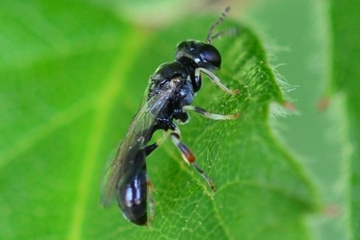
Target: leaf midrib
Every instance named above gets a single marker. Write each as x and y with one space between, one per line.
106 98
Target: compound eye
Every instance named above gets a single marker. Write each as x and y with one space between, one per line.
211 55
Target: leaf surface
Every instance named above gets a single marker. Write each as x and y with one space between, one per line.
71 90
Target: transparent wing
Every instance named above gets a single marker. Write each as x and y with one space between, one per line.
138 135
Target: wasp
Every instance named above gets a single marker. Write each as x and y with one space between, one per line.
168 97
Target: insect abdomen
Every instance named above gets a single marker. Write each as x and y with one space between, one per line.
132 197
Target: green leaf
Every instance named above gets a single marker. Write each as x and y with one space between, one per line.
345 79
322 39
73 76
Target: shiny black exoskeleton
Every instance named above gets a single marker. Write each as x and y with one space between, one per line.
180 77
171 91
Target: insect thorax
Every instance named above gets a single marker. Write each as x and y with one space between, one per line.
174 79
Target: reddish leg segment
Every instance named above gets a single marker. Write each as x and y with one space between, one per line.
189 157
150 188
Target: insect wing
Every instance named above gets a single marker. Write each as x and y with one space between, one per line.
139 133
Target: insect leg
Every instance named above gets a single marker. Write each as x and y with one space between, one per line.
189 157
149 149
213 116
214 79
150 188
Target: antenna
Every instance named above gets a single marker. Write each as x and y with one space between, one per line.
211 37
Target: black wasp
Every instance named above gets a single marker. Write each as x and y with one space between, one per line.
171 91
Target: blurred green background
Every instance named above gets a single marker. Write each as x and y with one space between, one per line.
62 67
